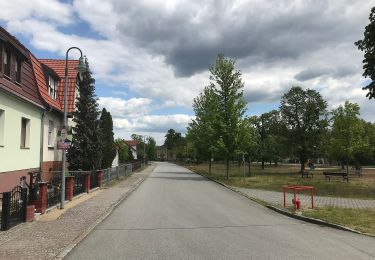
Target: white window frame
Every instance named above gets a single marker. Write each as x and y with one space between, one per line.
52 87
51 127
25 137
2 127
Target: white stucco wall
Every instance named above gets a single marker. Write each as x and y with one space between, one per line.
12 156
50 152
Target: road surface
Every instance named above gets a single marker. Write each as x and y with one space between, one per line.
176 214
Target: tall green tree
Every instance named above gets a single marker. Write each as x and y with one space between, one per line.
348 137
151 148
85 152
270 138
141 146
107 139
227 85
201 131
367 44
304 113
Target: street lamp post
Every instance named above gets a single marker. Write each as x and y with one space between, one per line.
144 150
81 68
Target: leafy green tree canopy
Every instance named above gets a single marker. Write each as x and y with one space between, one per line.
367 44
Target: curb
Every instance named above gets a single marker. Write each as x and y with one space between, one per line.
65 251
287 213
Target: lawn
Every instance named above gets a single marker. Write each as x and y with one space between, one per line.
274 177
358 219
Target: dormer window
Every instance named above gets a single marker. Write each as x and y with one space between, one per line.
6 63
18 70
52 87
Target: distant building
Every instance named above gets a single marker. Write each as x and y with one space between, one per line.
132 144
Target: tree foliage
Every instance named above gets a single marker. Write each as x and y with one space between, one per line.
123 150
107 139
85 152
348 138
305 116
367 44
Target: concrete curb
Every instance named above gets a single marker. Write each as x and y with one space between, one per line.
287 213
65 251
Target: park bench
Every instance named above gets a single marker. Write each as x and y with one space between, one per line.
307 174
329 175
355 172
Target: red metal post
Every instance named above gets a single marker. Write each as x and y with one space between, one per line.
87 182
295 204
69 180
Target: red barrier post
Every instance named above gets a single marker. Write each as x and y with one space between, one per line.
69 186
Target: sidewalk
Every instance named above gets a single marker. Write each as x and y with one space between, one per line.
277 198
45 239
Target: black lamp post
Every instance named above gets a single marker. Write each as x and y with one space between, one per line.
81 68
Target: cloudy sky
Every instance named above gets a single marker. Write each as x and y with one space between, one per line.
150 58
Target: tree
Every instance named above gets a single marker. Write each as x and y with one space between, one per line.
107 140
368 46
305 116
227 87
172 139
348 138
151 148
201 131
123 150
247 145
85 152
269 128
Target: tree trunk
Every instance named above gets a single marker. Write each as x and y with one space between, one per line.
249 168
209 167
227 168
262 164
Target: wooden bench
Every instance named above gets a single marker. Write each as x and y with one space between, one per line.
307 174
329 175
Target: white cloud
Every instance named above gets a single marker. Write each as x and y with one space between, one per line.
51 10
126 108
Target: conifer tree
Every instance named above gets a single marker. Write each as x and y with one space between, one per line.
85 152
108 145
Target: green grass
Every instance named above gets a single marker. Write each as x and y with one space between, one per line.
274 177
357 219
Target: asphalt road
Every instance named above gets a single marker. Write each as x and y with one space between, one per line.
176 214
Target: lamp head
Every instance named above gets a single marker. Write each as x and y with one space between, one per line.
82 67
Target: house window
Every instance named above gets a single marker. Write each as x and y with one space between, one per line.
6 62
2 126
18 70
50 133
52 87
25 132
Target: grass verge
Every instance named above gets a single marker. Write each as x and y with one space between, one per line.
358 219
274 177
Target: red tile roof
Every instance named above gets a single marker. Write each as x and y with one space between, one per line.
131 142
42 84
58 66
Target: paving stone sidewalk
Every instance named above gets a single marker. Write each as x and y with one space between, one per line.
277 198
45 240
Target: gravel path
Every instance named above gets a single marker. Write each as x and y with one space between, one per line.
276 198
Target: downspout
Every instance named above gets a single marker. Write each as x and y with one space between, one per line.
41 141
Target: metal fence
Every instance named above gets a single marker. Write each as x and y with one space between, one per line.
93 179
54 189
13 207
78 181
118 171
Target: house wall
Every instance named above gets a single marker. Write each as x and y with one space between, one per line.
13 158
51 155
115 161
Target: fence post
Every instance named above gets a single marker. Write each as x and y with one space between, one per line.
5 211
100 178
41 201
24 204
87 182
69 187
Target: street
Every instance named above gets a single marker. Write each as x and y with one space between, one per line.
176 214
